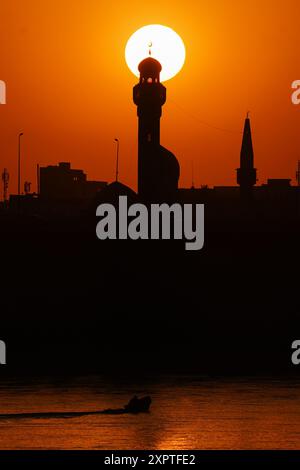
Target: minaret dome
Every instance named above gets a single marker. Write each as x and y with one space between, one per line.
149 70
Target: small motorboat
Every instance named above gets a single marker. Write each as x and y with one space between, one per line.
135 405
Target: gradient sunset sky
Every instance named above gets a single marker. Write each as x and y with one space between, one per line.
70 91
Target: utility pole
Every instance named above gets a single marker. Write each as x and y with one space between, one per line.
19 164
117 161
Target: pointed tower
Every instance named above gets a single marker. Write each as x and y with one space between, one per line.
246 174
158 168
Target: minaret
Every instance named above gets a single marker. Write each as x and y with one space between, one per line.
246 174
158 169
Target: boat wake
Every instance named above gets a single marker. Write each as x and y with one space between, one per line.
134 406
57 415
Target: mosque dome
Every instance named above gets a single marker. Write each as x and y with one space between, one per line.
171 162
110 194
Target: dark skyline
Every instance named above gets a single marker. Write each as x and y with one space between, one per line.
69 88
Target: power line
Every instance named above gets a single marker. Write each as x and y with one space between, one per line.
205 123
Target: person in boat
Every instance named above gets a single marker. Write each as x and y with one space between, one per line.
136 404
133 404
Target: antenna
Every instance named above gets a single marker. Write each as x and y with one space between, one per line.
150 45
117 162
38 178
298 173
27 186
5 179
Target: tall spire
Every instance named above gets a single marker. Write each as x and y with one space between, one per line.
246 174
247 157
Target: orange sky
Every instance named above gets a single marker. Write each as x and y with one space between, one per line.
70 91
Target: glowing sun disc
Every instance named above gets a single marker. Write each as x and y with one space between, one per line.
165 45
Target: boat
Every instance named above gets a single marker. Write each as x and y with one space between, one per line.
135 405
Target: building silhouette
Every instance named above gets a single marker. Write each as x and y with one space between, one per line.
67 191
62 182
62 190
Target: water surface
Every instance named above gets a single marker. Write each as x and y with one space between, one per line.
187 413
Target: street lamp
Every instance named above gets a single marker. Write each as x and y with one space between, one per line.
117 162
19 164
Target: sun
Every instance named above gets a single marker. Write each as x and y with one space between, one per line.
162 43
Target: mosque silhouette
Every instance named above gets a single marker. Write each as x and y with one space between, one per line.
64 190
85 305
